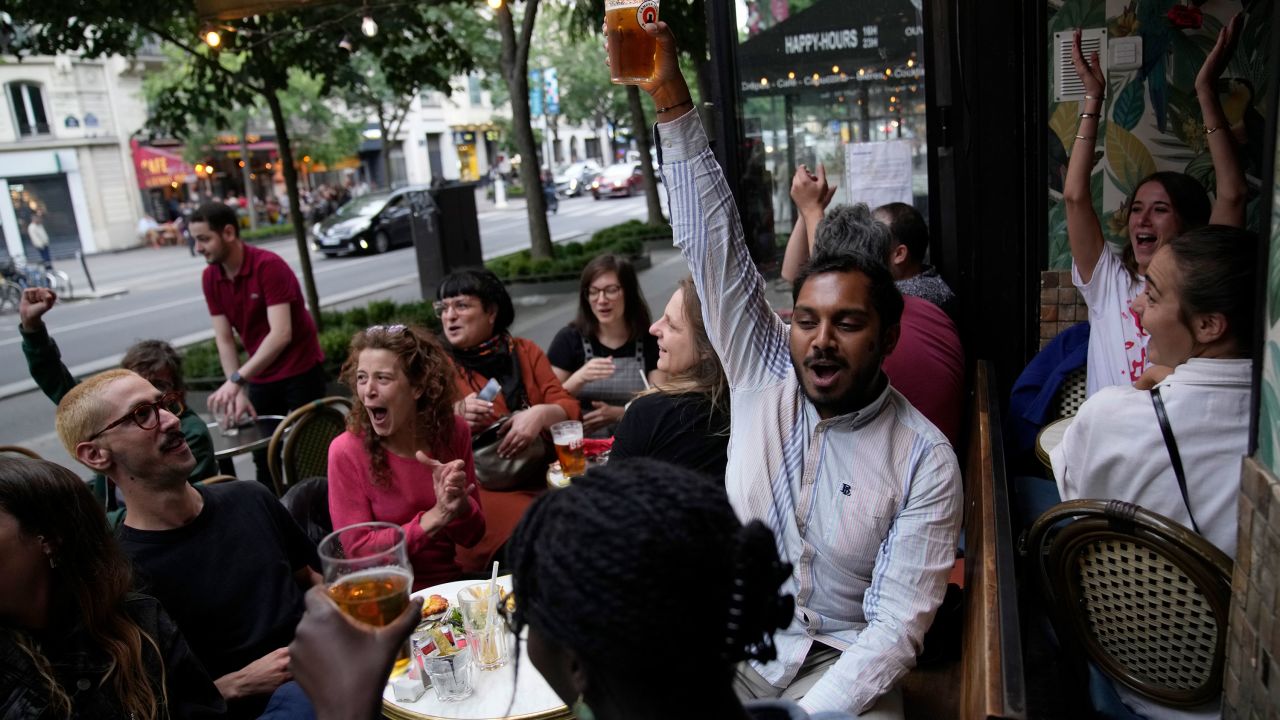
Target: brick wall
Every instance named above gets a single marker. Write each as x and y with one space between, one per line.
1060 304
1252 682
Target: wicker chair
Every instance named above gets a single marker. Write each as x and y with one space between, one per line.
1071 394
19 450
1138 594
218 479
299 448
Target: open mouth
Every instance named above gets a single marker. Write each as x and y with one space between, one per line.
173 442
1144 241
377 414
825 373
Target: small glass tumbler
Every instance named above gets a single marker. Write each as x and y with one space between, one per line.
451 675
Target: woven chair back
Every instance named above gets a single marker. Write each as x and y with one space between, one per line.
306 447
1071 394
1142 597
19 450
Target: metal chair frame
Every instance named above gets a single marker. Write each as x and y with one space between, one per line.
19 450
1058 543
280 450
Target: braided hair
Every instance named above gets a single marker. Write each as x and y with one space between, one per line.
638 550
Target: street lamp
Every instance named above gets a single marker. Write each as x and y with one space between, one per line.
495 4
368 26
212 37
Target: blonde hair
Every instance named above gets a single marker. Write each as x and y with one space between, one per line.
706 376
80 413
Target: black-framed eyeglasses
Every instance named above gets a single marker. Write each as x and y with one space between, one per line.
147 415
612 292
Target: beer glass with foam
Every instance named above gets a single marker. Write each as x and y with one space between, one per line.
632 52
567 437
367 571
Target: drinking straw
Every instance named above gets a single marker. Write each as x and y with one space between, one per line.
493 604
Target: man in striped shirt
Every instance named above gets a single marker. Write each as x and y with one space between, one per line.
861 490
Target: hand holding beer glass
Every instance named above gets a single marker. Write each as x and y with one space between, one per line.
367 573
653 65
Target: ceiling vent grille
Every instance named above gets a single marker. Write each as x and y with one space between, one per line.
1066 84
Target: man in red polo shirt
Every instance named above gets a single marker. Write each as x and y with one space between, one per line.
254 292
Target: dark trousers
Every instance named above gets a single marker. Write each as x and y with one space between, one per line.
282 397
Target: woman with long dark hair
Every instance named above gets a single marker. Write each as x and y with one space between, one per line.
405 457
606 355
78 643
684 419
1161 207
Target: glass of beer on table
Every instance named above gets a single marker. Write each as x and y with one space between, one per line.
368 575
567 437
632 52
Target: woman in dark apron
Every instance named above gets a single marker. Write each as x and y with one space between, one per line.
606 355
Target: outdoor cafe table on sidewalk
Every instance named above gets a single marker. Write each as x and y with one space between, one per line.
252 436
499 694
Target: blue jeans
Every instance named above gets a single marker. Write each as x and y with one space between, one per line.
289 702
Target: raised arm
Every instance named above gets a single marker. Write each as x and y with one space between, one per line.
1084 232
1230 195
750 339
812 195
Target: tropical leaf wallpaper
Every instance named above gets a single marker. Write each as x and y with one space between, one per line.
1269 411
1151 120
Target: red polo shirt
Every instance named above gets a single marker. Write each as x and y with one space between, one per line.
264 280
927 366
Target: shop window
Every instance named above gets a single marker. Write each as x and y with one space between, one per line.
27 101
831 82
473 89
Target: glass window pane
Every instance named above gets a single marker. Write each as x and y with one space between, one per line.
818 81
16 97
36 104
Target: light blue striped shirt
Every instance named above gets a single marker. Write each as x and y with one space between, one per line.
866 506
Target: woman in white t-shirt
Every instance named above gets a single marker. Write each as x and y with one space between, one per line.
1162 206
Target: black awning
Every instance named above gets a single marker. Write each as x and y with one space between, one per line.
834 40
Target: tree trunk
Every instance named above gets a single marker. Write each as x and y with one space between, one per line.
295 202
515 71
246 169
640 127
384 154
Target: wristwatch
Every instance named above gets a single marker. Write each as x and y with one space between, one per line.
235 378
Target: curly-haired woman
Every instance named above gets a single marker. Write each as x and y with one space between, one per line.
405 457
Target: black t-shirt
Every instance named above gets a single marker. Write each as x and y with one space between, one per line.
682 429
566 350
227 578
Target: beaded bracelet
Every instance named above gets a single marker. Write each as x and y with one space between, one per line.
669 108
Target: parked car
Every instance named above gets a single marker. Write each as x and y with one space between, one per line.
577 178
620 180
373 223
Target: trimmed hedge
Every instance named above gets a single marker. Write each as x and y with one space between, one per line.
202 367
267 231
626 239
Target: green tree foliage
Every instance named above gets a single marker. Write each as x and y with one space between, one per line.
257 59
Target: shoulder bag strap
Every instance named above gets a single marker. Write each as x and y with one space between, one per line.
1172 446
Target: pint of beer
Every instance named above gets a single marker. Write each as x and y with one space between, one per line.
632 53
375 596
567 437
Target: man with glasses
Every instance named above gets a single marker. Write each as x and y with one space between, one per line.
227 561
154 360
254 293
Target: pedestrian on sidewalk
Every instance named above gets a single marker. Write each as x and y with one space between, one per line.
549 192
40 239
254 292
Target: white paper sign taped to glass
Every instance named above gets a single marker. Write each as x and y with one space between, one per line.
877 173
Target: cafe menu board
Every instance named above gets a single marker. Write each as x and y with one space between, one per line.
877 173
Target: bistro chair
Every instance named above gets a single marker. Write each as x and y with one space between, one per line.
1142 597
299 447
217 479
19 450
1071 394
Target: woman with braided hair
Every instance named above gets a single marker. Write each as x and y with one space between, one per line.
405 457
74 641
642 591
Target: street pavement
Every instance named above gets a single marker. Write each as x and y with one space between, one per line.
163 299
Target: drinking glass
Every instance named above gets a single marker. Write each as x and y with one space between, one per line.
368 575
451 675
487 634
567 437
632 52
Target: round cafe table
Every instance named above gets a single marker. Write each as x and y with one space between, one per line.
499 694
1050 437
254 435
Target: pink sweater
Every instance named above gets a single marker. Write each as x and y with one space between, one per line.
353 498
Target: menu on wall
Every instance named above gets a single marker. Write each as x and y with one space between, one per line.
877 173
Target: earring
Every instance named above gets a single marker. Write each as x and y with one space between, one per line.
52 562
581 710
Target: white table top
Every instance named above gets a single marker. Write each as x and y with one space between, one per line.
493 697
1050 437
